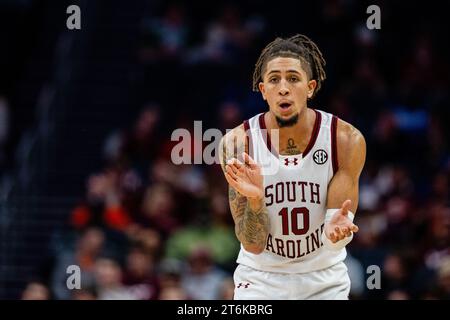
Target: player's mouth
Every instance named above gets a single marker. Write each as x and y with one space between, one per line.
285 106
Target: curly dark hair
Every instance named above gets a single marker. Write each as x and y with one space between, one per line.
300 47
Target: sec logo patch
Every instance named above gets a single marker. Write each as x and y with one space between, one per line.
320 156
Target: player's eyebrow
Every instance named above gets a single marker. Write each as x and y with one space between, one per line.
288 71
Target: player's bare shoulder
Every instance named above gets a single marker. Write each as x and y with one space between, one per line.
351 146
233 144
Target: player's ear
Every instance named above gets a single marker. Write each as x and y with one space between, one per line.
312 84
262 90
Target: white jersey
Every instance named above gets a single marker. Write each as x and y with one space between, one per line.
295 196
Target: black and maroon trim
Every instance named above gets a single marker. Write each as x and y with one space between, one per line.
266 137
314 134
334 155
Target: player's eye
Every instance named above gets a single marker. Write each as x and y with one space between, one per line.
293 79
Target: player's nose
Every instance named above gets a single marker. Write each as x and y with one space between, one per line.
284 89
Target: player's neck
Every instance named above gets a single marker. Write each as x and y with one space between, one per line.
293 139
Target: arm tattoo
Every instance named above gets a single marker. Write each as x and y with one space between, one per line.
238 203
251 227
231 194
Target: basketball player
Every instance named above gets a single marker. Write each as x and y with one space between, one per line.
294 216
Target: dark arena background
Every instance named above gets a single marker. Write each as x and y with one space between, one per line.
86 118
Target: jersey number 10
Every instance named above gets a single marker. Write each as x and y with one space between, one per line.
303 212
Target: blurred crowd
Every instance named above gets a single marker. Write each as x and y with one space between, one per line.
146 228
149 229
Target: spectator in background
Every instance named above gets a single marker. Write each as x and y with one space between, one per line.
357 275
141 145
165 37
202 280
87 249
158 210
440 188
444 279
108 278
227 289
227 38
147 238
395 277
438 228
103 204
173 293
170 271
36 290
398 295
89 293
213 230
139 274
186 180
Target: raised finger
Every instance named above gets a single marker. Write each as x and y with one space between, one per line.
355 228
231 172
231 181
235 162
238 166
338 232
249 160
234 168
341 234
348 232
332 237
345 231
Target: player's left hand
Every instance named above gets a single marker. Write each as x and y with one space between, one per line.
340 226
245 177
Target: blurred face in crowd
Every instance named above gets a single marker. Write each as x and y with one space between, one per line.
35 291
146 122
219 205
139 263
200 260
286 88
91 242
82 294
172 293
108 273
227 289
158 200
230 115
398 295
394 267
95 188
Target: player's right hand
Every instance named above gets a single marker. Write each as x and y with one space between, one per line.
246 178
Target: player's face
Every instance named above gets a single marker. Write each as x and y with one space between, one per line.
286 87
